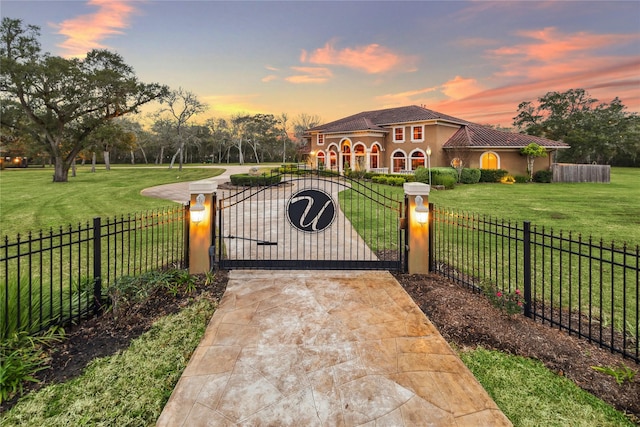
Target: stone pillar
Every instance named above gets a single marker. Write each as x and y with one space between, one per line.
201 235
418 234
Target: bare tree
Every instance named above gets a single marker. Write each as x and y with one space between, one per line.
182 105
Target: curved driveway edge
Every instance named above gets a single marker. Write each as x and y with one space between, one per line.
324 348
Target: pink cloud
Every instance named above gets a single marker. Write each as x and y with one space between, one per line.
87 32
372 58
499 105
310 75
547 61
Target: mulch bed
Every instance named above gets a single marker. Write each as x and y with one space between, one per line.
467 319
463 317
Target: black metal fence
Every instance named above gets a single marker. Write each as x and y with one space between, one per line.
59 277
585 287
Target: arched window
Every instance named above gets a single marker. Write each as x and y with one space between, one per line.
375 155
399 160
361 157
346 155
333 160
320 160
489 160
417 160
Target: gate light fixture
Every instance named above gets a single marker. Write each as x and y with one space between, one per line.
422 212
197 211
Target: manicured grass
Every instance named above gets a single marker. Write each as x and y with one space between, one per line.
29 200
129 388
531 395
608 211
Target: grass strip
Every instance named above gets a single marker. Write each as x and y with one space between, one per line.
531 395
129 388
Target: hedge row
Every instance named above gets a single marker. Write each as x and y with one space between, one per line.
244 179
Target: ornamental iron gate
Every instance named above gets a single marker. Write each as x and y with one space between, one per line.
311 220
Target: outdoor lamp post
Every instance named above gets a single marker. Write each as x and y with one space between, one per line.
429 163
202 201
197 211
421 211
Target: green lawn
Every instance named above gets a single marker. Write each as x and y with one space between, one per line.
608 211
29 200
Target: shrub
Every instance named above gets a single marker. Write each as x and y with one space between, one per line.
22 357
470 176
521 179
396 181
244 179
422 174
543 176
447 181
492 175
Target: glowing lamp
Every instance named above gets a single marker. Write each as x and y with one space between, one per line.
421 211
197 211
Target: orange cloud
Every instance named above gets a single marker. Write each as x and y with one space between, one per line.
372 58
460 87
402 98
87 32
310 75
499 105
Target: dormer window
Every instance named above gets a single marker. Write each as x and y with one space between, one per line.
320 139
398 134
417 134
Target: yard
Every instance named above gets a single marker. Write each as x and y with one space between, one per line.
604 210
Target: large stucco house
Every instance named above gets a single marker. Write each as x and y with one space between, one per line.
399 140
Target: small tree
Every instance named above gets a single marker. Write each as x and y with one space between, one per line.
532 151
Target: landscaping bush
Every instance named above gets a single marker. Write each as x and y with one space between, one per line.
545 176
244 179
389 180
470 176
422 174
492 175
521 179
447 181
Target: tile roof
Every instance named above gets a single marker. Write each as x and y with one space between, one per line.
474 135
469 134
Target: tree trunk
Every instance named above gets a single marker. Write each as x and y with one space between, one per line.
181 156
144 155
133 157
107 161
61 170
93 162
73 167
161 154
173 159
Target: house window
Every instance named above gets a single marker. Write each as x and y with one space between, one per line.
489 160
320 160
320 139
373 160
398 134
416 134
361 158
399 161
333 160
417 160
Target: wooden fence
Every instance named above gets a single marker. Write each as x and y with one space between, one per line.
569 172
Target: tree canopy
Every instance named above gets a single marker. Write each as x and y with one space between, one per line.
63 100
597 132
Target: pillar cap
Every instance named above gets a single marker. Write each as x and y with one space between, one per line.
204 186
416 189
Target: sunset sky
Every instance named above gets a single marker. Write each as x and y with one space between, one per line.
474 60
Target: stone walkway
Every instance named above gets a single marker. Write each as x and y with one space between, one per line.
321 348
324 348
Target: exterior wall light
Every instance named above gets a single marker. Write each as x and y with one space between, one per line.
197 211
421 211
